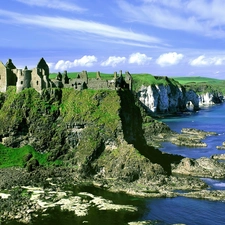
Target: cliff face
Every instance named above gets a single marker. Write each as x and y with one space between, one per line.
166 98
96 133
210 98
172 98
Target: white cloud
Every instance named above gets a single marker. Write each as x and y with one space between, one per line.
85 61
139 59
168 59
113 61
206 17
81 26
204 61
51 65
54 4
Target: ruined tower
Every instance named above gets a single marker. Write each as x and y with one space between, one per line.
23 79
40 76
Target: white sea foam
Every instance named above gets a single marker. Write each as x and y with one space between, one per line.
219 184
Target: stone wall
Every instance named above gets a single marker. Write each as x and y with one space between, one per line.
82 81
3 80
23 79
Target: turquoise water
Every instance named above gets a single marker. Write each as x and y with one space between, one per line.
164 211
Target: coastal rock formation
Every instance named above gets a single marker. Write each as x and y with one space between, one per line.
167 98
86 129
160 98
218 156
157 132
173 97
190 137
202 167
212 195
210 98
222 147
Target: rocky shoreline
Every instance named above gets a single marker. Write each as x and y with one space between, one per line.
188 137
27 194
48 189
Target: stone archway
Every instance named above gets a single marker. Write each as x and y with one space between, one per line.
189 105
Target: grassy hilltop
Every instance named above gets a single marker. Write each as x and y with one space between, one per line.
202 84
42 121
84 130
198 84
46 117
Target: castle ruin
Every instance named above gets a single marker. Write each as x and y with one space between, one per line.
38 78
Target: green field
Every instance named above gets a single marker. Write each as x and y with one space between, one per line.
148 79
196 80
202 84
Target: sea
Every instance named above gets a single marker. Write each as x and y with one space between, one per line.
162 211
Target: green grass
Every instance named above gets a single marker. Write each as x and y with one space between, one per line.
99 106
14 157
191 80
202 84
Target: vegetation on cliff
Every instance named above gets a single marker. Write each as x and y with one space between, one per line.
202 84
139 79
148 80
83 130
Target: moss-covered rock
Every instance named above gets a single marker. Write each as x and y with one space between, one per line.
89 131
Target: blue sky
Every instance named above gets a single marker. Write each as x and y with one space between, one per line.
161 37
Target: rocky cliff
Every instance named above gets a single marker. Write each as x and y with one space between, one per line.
97 133
167 98
99 136
173 97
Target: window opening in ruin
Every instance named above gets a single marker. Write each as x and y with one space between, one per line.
37 82
21 82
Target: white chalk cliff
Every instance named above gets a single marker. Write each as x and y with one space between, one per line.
210 98
171 98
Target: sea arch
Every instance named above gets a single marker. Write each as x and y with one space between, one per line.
191 100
